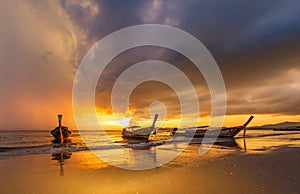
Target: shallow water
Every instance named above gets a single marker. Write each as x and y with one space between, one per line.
30 142
137 155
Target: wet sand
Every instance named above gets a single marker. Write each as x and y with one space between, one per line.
219 171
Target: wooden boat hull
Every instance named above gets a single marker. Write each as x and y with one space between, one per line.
136 132
224 133
57 142
65 132
132 135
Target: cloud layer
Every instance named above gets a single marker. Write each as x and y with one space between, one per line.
256 45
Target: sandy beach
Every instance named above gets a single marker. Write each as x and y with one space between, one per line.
275 169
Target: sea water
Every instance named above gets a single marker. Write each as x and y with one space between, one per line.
28 142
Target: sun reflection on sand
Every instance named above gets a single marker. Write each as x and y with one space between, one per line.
87 159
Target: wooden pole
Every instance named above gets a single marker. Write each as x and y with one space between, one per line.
60 128
245 148
61 159
245 125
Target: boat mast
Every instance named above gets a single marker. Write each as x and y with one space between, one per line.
154 121
245 125
60 128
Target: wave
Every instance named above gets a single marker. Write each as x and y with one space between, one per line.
5 149
6 152
268 135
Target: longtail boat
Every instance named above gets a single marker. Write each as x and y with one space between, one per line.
61 133
226 132
136 132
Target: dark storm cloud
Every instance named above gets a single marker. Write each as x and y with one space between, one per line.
111 16
234 26
280 99
226 27
255 44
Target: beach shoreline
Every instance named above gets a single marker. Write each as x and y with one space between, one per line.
267 171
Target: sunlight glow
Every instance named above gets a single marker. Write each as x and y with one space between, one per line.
108 121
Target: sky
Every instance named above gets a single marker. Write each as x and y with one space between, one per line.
256 45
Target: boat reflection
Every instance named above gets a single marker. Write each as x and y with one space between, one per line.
147 155
141 157
225 142
134 140
245 147
61 153
137 154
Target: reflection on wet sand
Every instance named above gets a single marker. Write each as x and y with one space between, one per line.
141 154
245 146
225 142
61 153
142 158
135 140
137 153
